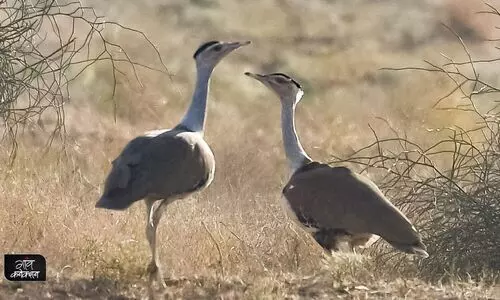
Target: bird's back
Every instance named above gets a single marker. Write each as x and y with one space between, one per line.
336 198
171 164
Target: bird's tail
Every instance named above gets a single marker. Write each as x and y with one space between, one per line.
420 252
417 248
112 204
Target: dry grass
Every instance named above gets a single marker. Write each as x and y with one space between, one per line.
334 48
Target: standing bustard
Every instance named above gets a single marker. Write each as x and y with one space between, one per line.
165 165
334 203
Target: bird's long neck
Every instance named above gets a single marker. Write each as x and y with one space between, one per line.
295 154
194 119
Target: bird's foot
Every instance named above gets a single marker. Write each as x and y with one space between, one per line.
155 272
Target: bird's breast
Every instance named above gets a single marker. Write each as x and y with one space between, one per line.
206 156
209 164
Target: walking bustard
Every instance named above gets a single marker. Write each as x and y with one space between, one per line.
334 203
165 165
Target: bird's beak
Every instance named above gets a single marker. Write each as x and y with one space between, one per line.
255 76
235 45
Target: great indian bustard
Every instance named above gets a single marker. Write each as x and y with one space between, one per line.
165 165
334 203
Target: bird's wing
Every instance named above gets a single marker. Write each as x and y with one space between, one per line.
337 198
120 178
121 173
160 166
175 163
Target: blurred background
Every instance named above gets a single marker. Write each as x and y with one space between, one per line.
337 50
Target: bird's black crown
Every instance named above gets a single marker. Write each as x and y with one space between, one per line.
203 47
293 80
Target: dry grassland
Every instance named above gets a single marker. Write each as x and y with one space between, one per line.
232 240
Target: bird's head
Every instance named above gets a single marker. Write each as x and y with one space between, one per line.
288 89
209 54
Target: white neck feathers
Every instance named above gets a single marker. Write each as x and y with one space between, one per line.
194 119
295 154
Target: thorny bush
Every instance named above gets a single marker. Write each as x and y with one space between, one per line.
44 46
451 189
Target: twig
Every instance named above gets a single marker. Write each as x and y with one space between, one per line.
221 266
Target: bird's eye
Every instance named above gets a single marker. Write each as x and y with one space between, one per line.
218 48
280 80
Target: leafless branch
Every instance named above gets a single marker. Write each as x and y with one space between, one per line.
44 46
450 189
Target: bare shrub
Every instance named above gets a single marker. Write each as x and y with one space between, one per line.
451 188
44 46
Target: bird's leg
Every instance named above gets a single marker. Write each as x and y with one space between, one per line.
334 244
327 239
353 247
332 239
362 241
154 212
